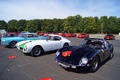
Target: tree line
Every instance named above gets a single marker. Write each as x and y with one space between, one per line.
71 24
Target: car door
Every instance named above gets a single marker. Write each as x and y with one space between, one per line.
106 49
55 42
51 44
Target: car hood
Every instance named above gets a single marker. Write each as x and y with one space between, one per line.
22 44
77 53
30 43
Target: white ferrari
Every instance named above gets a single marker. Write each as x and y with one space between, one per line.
49 42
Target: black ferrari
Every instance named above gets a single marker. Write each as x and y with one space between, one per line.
89 54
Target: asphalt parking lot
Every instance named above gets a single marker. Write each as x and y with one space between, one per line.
14 65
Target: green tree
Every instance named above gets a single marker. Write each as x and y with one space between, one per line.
118 26
112 25
104 24
84 24
40 28
12 26
79 24
97 25
91 25
55 25
69 24
58 25
21 25
3 25
33 25
48 25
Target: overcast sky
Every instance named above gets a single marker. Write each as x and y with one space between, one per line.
49 9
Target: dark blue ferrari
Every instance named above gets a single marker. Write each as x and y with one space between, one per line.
89 54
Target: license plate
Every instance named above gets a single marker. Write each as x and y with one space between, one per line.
64 65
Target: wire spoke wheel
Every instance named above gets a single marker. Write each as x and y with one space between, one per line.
12 44
36 51
111 55
94 64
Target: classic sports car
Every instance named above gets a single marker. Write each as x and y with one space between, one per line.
37 47
89 54
83 35
109 37
61 34
11 41
68 35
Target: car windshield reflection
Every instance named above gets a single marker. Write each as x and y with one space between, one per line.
22 35
44 38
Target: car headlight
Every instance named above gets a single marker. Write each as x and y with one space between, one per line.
3 41
57 53
83 61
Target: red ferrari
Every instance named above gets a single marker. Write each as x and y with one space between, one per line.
40 34
83 35
61 34
109 37
68 35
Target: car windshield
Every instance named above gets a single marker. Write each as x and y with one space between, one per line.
47 37
83 42
90 42
109 35
28 35
22 35
43 38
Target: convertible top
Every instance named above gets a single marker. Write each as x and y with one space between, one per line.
93 39
97 42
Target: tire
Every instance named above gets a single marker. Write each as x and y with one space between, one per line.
66 45
12 44
111 55
94 64
36 51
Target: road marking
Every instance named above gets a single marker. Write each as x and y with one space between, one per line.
12 57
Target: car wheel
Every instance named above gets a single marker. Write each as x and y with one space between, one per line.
66 45
12 44
94 64
36 51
